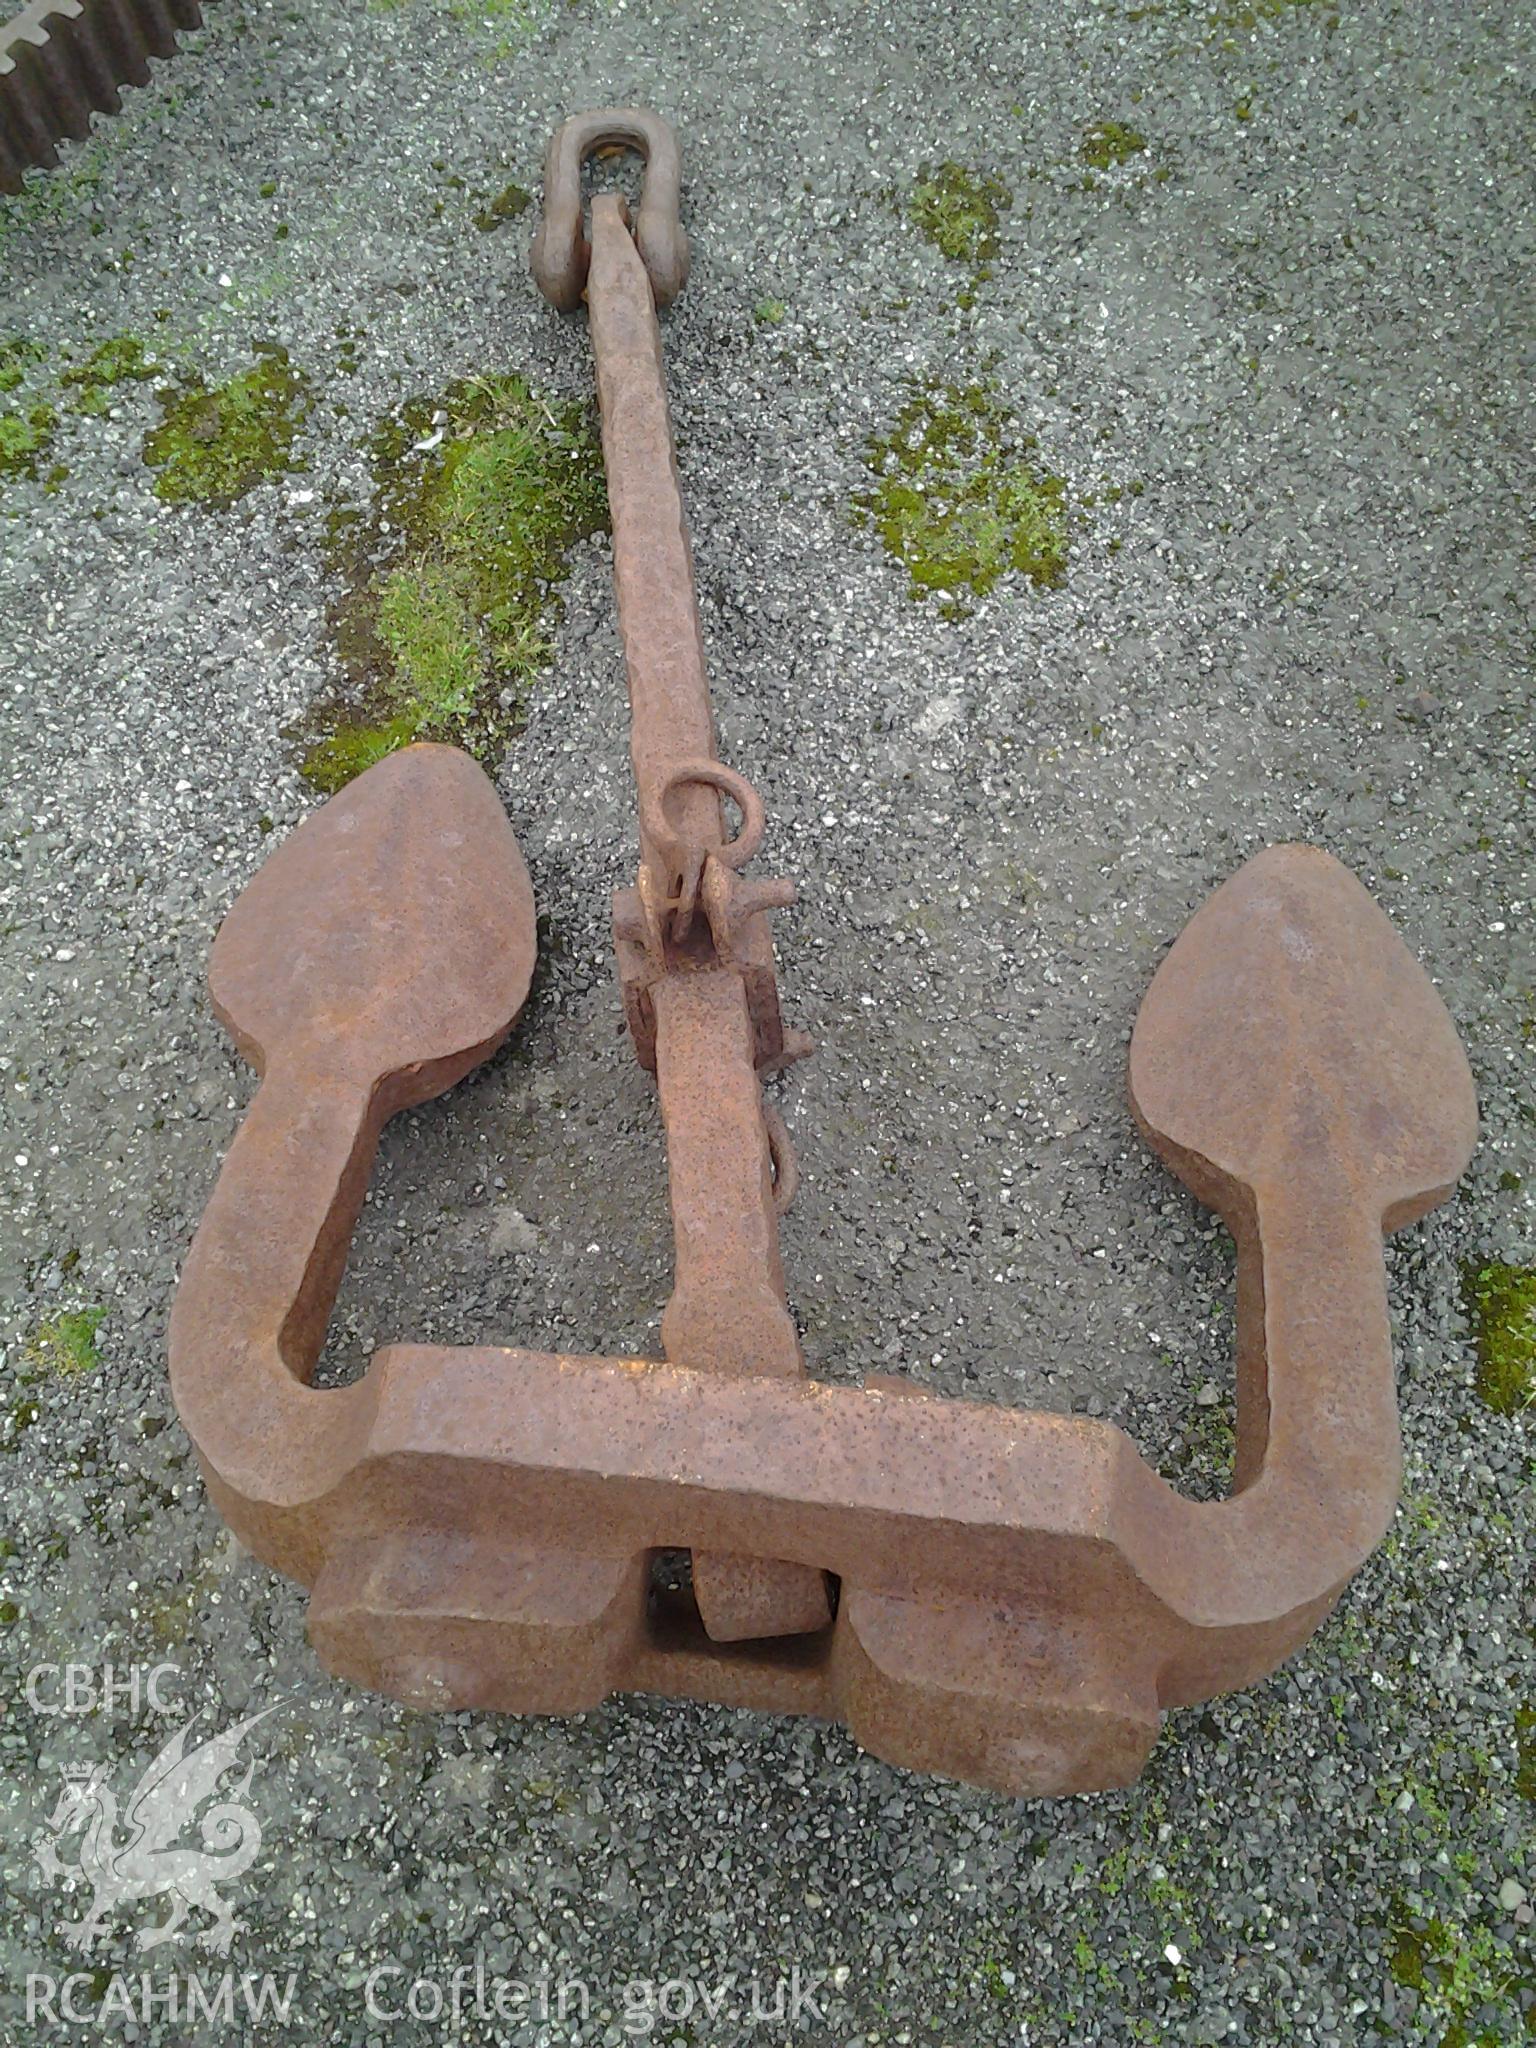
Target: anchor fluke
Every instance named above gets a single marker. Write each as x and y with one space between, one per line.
391 938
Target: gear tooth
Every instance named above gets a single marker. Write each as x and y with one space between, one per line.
156 27
115 27
53 76
62 60
94 76
11 164
26 126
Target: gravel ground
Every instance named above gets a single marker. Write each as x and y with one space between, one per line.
1277 357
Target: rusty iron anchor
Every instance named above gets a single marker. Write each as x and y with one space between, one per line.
1008 1597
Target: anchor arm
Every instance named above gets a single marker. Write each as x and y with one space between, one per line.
254 1299
1293 1065
383 952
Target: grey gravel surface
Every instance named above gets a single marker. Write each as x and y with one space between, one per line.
1307 345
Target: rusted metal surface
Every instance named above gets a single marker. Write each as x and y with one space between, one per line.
560 250
1004 1596
727 1310
63 60
680 931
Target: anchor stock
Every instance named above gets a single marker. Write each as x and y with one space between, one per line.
1004 1596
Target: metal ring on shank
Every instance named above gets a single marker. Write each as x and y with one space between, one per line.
731 853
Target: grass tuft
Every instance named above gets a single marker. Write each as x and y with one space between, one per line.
451 580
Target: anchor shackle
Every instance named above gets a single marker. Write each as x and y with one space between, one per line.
561 252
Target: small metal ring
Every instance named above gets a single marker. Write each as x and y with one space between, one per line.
732 853
786 1167
561 251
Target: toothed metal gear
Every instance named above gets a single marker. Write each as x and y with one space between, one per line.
63 60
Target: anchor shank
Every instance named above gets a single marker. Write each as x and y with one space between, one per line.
671 720
727 1313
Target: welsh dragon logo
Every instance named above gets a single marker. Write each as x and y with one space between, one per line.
138 1855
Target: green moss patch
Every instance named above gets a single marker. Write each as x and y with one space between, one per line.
1525 1752
1463 1976
214 445
1234 16
515 14
1253 14
451 579
959 211
957 502
509 22
25 434
16 357
1109 143
66 1343
27 425
122 360
1501 1303
511 201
